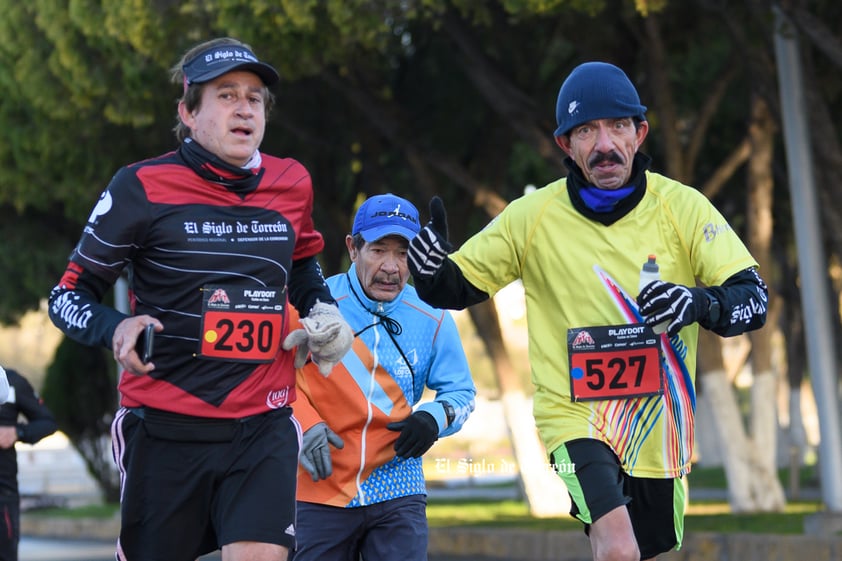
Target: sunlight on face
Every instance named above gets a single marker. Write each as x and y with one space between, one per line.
381 266
231 119
604 150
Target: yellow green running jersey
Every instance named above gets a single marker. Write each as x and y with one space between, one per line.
577 274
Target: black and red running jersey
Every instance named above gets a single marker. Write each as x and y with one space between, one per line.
214 264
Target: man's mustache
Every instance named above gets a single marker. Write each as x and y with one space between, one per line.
610 157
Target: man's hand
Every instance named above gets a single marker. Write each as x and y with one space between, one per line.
419 431
326 337
315 452
124 343
428 250
8 436
679 305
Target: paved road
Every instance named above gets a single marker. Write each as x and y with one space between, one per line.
44 549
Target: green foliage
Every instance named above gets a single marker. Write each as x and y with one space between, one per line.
443 513
96 511
701 517
435 96
515 514
715 517
80 387
32 259
715 478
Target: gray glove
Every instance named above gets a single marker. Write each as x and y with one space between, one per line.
315 452
326 337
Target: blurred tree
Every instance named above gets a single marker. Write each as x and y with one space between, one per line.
81 389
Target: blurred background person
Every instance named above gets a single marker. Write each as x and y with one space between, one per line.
24 418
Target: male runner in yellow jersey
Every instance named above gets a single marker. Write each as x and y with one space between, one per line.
613 398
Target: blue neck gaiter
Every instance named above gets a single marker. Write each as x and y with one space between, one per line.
604 200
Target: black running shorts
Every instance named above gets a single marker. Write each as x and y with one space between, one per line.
597 485
190 485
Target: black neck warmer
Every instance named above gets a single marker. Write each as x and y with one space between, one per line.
576 181
236 179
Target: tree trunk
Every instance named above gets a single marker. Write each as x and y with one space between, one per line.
751 463
764 421
792 323
727 422
95 450
545 493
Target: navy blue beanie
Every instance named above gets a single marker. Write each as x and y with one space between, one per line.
596 90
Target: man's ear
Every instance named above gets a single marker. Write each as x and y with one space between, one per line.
563 142
352 250
186 116
642 131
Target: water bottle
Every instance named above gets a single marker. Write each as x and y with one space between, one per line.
648 273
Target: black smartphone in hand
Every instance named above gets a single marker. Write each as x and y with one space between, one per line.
146 343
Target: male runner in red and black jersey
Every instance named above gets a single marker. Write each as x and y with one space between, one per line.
217 238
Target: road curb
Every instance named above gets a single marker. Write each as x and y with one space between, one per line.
524 545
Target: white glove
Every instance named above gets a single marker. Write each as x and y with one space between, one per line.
326 337
315 452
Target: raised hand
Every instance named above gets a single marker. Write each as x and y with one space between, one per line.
428 250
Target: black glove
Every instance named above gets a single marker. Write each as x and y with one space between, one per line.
679 305
315 452
428 250
419 431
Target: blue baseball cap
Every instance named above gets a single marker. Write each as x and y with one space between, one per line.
216 61
596 90
386 215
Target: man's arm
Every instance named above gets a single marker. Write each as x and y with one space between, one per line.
40 421
307 284
736 306
76 308
450 377
447 288
325 336
742 300
438 280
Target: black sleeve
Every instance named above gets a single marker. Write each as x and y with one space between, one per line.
76 308
39 419
307 284
743 299
448 288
